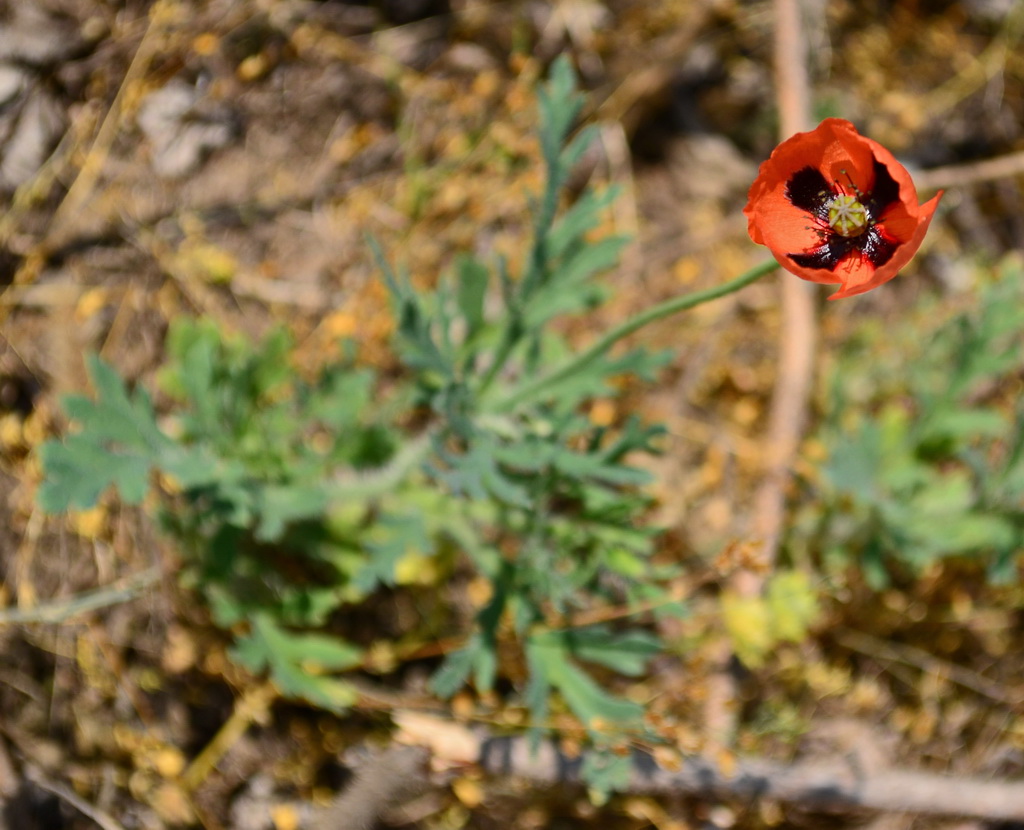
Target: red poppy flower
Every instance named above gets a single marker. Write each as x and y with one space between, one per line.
833 206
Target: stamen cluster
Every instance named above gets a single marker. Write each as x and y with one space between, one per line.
847 216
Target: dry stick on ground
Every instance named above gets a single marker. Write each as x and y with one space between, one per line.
9 780
65 793
59 611
961 175
827 784
793 382
799 325
387 779
252 706
927 662
835 783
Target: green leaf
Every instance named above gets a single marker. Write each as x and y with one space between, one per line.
280 505
626 563
456 668
323 653
569 291
873 563
574 150
627 653
595 708
414 338
476 473
343 397
538 686
944 496
472 289
583 216
390 539
296 660
793 605
79 471
958 425
606 772
118 445
594 467
559 106
962 533
853 464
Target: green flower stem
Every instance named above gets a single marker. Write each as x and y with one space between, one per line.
658 312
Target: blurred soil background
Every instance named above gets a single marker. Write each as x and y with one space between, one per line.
229 158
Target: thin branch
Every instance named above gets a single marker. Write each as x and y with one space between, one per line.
925 661
9 780
63 610
826 784
61 224
786 422
250 708
788 414
77 196
962 175
799 332
65 793
792 87
384 781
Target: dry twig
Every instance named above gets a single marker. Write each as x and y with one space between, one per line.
827 784
799 333
65 793
252 706
962 175
60 611
799 330
386 779
929 663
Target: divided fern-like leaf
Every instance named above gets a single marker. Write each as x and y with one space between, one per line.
298 662
118 444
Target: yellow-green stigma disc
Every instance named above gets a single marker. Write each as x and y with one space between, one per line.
847 216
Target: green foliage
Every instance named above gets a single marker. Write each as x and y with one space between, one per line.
758 624
258 468
296 500
567 508
296 662
552 656
927 435
119 444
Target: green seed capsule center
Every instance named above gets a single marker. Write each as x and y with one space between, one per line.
847 216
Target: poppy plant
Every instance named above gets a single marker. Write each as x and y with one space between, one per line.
835 207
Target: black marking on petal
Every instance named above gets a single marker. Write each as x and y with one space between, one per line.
885 192
828 255
809 190
823 258
877 247
873 245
